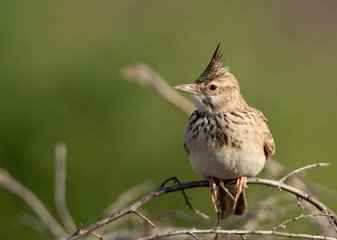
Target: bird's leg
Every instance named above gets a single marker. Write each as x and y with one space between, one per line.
212 187
241 184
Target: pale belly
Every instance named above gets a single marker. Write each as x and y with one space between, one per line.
227 163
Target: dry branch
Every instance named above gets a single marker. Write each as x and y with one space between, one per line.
236 232
187 201
302 169
146 76
282 225
60 187
128 196
179 187
12 185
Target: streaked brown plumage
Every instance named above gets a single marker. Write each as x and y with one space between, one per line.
225 137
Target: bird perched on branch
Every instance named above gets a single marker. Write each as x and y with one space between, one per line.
225 137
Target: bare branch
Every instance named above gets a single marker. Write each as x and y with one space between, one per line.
226 190
193 235
145 218
12 185
146 76
96 235
180 187
128 196
320 206
237 232
282 225
302 169
278 171
187 201
60 187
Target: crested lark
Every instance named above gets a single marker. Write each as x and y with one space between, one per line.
225 137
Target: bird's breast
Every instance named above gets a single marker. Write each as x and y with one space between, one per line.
225 146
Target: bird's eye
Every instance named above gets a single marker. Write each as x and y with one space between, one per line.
212 87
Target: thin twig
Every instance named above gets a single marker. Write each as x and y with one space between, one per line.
129 195
302 169
174 179
96 235
242 236
133 207
145 218
278 171
237 232
193 235
282 225
146 76
299 203
187 201
60 187
12 185
320 206
179 187
79 229
226 190
332 222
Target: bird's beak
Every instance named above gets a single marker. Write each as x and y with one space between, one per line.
189 88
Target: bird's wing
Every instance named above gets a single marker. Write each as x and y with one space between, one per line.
269 144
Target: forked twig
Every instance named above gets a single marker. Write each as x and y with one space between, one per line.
187 201
12 185
193 235
278 171
310 199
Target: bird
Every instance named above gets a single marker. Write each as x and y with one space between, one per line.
226 139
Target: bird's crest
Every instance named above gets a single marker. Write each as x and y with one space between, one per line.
214 67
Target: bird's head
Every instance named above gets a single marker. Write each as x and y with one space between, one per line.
216 90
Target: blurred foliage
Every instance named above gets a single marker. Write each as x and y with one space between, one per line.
59 81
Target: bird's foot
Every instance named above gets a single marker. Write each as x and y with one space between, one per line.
212 187
241 184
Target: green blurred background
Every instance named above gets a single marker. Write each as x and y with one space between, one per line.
60 65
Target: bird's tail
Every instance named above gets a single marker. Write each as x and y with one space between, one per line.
227 203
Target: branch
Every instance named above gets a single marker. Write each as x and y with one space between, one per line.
128 196
187 201
146 76
179 187
276 170
320 206
133 207
302 169
145 218
282 225
60 187
237 232
12 185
